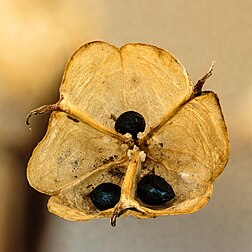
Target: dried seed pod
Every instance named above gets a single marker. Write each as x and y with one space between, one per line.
178 132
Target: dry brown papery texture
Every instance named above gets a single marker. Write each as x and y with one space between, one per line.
185 140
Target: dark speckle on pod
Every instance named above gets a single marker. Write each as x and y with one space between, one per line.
154 190
105 195
130 122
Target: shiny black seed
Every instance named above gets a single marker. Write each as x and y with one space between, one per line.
154 190
105 195
130 122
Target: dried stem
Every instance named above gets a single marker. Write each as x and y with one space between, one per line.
41 110
198 86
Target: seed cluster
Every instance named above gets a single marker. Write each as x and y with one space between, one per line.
152 190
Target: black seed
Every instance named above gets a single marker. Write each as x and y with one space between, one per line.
154 190
105 195
130 122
